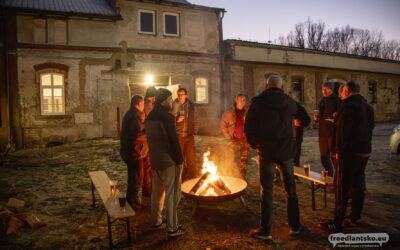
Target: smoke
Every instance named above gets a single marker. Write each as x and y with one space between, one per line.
226 159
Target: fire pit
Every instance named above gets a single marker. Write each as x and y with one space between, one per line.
210 187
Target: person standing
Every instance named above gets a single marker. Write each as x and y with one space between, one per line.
269 130
134 149
301 120
329 105
232 126
352 148
166 164
186 127
149 100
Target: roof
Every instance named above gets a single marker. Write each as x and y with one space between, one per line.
283 47
186 3
71 7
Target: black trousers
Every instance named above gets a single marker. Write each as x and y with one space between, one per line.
297 153
325 149
267 171
135 180
350 183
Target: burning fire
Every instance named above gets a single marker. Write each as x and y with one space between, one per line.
210 183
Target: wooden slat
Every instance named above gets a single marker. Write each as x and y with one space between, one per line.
102 184
314 176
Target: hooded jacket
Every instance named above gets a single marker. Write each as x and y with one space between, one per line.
354 125
228 122
327 107
190 122
269 124
162 139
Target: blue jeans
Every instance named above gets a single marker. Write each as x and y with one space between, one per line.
267 172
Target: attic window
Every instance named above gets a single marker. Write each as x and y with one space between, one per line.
147 22
171 24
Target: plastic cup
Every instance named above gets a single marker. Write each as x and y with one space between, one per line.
307 169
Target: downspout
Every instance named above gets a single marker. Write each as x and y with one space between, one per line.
221 64
6 78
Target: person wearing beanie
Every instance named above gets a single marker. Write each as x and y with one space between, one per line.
328 106
166 164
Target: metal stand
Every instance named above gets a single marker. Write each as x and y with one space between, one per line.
93 197
315 187
128 229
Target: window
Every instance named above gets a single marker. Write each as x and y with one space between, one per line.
52 95
147 22
297 90
201 85
171 24
372 93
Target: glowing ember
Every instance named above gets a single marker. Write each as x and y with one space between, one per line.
210 183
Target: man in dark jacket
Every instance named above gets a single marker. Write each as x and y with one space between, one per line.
352 148
134 149
269 130
328 106
301 120
166 164
186 127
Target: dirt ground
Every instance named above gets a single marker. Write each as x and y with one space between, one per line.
55 185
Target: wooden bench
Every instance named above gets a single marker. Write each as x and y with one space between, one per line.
315 179
101 182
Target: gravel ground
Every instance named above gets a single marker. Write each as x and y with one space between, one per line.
55 185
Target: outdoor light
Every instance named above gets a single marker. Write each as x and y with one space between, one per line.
149 79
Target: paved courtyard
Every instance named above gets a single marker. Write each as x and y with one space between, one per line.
55 185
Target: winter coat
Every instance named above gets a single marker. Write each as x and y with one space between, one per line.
133 141
269 124
354 125
228 122
327 107
305 120
162 139
190 123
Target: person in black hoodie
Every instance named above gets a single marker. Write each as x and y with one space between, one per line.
352 148
269 130
301 120
134 149
166 164
328 106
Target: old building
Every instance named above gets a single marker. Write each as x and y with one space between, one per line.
73 65
69 68
304 71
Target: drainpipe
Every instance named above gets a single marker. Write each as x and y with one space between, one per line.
6 78
221 64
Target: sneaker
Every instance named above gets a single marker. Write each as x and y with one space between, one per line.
351 221
331 226
162 225
179 231
295 232
260 234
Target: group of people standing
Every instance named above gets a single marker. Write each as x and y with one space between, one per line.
157 143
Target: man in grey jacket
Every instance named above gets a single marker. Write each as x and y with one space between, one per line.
166 164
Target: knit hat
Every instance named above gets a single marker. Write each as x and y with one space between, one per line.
150 92
162 95
330 85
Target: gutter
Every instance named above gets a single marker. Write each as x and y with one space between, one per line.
221 64
6 78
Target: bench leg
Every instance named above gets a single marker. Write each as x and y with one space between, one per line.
109 231
325 195
128 230
313 195
93 198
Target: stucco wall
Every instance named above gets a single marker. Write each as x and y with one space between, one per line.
94 92
199 30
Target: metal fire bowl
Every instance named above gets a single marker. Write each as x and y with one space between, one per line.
236 185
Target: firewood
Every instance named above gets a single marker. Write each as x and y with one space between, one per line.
221 185
200 183
216 188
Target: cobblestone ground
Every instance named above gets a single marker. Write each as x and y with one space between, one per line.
55 185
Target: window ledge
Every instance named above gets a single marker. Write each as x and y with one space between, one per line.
49 117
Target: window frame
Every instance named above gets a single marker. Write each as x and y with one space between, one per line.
140 22
207 89
178 24
298 80
52 87
374 85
